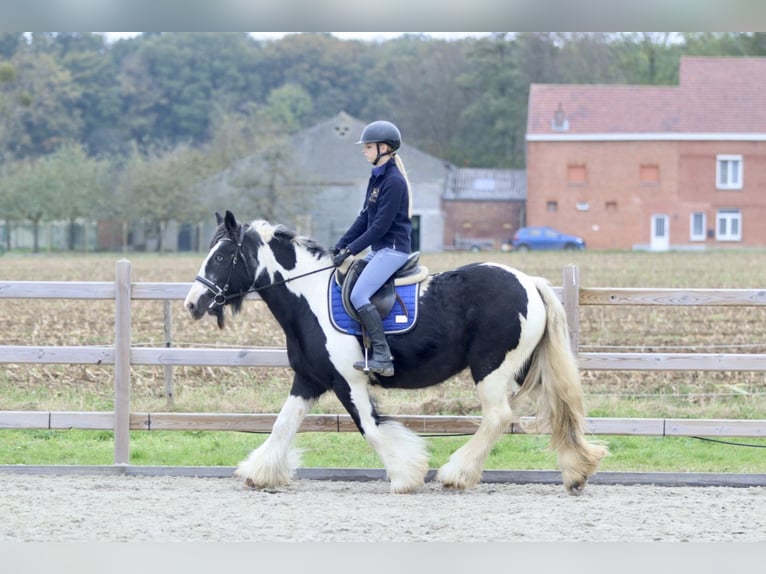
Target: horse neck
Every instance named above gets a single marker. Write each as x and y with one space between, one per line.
308 283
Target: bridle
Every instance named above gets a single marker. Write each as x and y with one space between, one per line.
221 295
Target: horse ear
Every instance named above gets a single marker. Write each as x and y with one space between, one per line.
218 218
230 222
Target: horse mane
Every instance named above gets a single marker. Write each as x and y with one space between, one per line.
267 230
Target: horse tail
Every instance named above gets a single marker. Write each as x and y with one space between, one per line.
553 382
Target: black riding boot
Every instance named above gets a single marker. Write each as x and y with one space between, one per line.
381 361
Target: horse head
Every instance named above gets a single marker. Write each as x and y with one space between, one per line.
247 258
228 272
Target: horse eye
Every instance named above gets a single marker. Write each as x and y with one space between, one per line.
219 258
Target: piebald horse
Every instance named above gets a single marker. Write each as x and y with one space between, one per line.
509 329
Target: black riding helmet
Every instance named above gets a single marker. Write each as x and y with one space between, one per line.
381 132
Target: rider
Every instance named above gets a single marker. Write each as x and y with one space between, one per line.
384 224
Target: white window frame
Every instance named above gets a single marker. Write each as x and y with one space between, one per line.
729 216
703 234
723 177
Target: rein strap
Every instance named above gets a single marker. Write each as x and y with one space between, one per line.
220 297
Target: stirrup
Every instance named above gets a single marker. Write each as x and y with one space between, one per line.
385 371
382 369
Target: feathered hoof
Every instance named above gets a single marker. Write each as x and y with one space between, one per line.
576 487
405 488
578 466
263 478
250 484
407 482
459 479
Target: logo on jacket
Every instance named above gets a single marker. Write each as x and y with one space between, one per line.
374 195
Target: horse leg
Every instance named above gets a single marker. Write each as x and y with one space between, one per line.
464 468
402 452
273 463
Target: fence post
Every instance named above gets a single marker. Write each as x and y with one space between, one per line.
122 342
168 329
571 302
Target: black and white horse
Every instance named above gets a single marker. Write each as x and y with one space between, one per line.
508 328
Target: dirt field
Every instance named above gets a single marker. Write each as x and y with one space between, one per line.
164 509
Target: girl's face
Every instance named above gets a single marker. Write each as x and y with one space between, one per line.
370 151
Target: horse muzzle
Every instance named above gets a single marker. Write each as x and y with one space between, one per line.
198 301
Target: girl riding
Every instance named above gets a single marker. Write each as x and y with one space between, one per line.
384 225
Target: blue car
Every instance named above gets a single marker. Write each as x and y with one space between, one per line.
543 237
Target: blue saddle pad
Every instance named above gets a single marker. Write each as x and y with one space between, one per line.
397 321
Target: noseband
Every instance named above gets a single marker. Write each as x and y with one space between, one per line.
220 296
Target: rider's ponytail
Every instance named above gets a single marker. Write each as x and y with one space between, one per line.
400 165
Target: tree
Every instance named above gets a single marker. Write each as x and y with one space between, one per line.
587 58
236 135
330 70
63 185
29 196
158 187
40 107
287 107
79 181
647 58
421 94
10 42
94 71
171 83
266 187
493 124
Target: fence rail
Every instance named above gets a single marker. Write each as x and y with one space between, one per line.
122 356
423 424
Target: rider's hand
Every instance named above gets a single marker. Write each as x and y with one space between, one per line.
341 256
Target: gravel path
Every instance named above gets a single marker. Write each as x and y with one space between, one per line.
160 509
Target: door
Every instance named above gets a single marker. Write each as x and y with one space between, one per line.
415 235
660 233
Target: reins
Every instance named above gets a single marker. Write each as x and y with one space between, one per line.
220 297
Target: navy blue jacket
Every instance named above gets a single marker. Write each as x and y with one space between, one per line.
384 220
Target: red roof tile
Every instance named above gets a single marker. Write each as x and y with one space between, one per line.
723 95
716 95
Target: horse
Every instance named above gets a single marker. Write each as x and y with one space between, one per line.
507 328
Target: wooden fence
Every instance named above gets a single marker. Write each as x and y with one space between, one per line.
122 355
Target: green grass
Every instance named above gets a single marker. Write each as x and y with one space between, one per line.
349 450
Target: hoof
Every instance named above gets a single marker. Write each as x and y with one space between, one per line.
454 478
576 488
249 484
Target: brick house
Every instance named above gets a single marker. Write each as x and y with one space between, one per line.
483 207
648 167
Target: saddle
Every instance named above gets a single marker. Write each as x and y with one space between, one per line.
401 288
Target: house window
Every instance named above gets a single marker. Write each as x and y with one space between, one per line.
728 172
611 207
577 175
649 174
697 226
552 206
729 225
